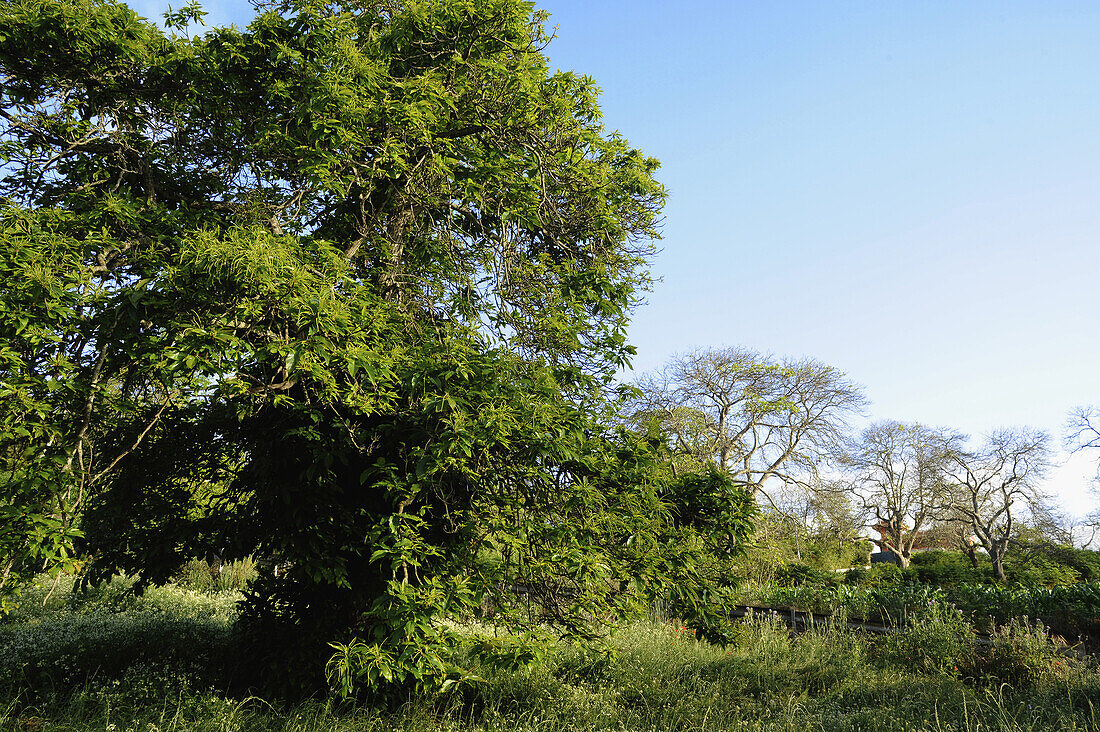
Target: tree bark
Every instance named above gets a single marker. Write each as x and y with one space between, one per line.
998 567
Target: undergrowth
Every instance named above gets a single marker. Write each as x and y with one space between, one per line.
153 666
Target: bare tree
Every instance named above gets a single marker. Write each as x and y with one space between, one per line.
898 476
747 414
1083 434
830 517
993 487
1083 430
1048 524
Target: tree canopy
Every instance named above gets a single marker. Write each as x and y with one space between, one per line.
345 288
899 478
993 486
747 414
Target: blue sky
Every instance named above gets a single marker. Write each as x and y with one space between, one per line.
906 191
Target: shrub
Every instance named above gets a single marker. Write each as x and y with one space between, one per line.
119 596
68 649
938 640
196 575
40 599
1020 653
203 576
877 575
796 574
1085 561
236 575
1036 569
857 577
940 567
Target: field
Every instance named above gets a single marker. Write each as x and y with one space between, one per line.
107 660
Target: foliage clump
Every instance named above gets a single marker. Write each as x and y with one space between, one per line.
1021 653
937 640
344 290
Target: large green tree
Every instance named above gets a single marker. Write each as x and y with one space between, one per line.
345 288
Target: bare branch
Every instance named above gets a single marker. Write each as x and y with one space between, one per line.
748 414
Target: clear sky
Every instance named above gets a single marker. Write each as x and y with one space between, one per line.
907 191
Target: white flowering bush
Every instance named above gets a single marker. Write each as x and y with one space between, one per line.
118 596
59 636
70 648
48 597
41 598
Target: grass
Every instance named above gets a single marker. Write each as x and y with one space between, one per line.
103 664
1073 611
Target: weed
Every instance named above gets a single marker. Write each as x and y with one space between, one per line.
1021 654
937 640
107 661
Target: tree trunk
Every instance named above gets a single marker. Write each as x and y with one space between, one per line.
998 566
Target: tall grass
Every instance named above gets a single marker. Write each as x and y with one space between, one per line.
652 676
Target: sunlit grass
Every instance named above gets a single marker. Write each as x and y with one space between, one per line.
657 677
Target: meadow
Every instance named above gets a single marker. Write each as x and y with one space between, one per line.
106 659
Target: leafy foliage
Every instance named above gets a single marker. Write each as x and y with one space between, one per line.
939 640
41 294
713 520
343 289
1021 654
1071 611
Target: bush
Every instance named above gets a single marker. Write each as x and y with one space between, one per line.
830 554
795 574
940 567
1021 654
119 596
938 640
47 597
879 575
1038 569
1085 562
40 599
60 635
69 649
203 576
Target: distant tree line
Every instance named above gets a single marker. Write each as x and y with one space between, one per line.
780 428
